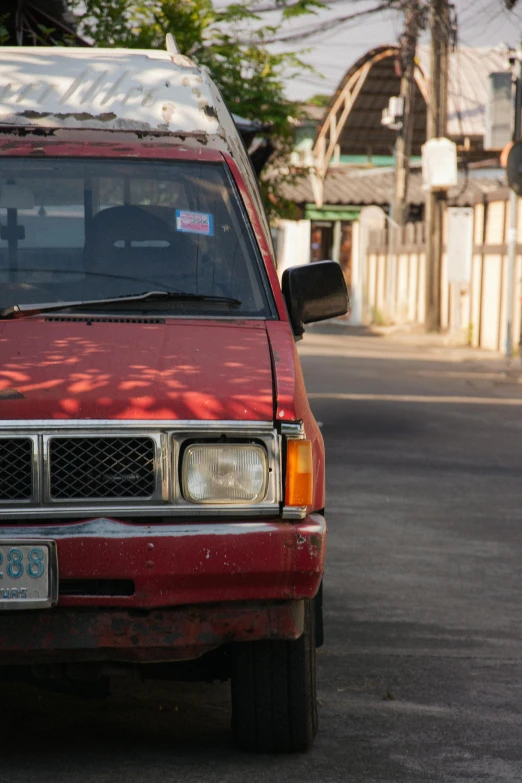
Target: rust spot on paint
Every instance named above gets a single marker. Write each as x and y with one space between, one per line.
316 541
80 116
26 131
209 111
167 110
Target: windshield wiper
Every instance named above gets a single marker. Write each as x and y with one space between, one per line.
19 310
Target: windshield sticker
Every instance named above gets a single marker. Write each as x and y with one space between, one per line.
195 222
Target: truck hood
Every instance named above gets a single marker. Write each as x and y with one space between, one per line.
63 368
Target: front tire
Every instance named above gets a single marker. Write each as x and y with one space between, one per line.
274 708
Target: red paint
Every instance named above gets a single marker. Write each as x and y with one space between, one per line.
54 148
196 588
266 251
178 370
267 561
291 400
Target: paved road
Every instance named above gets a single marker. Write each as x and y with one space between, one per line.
421 674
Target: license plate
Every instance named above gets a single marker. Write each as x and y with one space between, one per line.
28 574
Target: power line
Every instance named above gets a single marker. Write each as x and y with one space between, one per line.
310 30
264 9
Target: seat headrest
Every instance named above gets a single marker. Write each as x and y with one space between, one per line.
127 223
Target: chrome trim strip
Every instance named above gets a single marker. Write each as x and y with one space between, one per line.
294 512
164 467
167 500
294 430
115 426
108 528
172 511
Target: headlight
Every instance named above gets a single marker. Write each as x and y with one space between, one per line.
224 473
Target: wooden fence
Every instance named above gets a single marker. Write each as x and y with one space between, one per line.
475 312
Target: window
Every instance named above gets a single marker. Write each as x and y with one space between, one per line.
75 230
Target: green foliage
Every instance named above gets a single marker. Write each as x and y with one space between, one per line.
224 40
319 100
4 32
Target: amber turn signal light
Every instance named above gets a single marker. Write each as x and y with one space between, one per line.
299 473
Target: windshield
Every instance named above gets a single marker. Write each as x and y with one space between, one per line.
75 230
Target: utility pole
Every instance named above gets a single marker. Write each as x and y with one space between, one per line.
513 209
414 11
437 122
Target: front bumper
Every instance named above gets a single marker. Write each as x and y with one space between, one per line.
186 563
163 635
196 585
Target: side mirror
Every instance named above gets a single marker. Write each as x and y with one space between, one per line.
514 167
314 292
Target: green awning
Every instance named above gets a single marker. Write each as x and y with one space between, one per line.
331 212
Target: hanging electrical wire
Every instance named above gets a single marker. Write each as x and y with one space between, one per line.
274 7
312 30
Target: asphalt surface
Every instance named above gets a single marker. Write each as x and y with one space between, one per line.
420 678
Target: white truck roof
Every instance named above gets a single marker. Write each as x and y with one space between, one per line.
111 89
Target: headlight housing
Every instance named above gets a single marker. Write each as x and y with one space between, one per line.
224 473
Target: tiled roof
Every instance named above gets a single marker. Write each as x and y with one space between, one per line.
467 95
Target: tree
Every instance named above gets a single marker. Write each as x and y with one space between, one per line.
37 23
319 99
229 41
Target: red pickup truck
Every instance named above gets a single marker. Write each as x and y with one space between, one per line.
161 474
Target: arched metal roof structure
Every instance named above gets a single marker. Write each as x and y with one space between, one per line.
352 121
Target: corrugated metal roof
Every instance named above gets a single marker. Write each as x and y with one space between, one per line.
349 187
469 68
106 88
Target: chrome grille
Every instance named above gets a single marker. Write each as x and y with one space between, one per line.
16 469
110 467
105 469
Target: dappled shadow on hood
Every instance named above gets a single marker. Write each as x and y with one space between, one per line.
177 370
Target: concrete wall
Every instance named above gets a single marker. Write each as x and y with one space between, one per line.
293 244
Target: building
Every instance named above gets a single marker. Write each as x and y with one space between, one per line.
349 164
